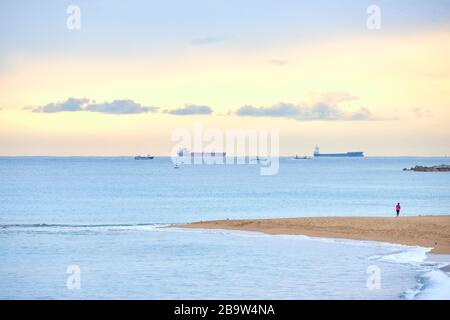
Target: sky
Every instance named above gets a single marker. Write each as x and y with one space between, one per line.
136 71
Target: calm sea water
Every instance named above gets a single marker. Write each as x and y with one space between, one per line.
107 216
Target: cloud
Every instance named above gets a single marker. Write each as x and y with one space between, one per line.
282 110
278 62
303 112
318 111
125 106
71 104
206 41
190 110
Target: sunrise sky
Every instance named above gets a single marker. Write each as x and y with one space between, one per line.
137 70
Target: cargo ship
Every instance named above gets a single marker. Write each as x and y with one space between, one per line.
346 154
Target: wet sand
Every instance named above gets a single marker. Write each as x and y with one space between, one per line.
426 231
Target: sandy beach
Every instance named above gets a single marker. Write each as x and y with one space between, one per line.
426 231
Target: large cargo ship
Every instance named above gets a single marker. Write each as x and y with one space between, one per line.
346 154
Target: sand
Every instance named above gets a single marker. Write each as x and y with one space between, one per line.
426 231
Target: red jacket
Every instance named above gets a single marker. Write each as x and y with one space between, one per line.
397 207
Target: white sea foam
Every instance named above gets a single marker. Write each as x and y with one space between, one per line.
408 254
436 286
432 284
56 228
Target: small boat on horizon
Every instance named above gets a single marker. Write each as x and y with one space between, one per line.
259 159
302 158
183 152
147 157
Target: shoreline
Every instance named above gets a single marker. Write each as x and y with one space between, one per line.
424 231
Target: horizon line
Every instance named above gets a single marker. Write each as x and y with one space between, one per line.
232 156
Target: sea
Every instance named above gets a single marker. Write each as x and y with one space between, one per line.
106 228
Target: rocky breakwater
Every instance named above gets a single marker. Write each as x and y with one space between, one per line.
438 168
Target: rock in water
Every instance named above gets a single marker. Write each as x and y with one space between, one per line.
438 168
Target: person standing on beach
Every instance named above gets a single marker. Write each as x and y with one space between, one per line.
397 208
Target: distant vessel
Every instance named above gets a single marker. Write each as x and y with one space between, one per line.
302 158
346 154
259 159
147 157
186 153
